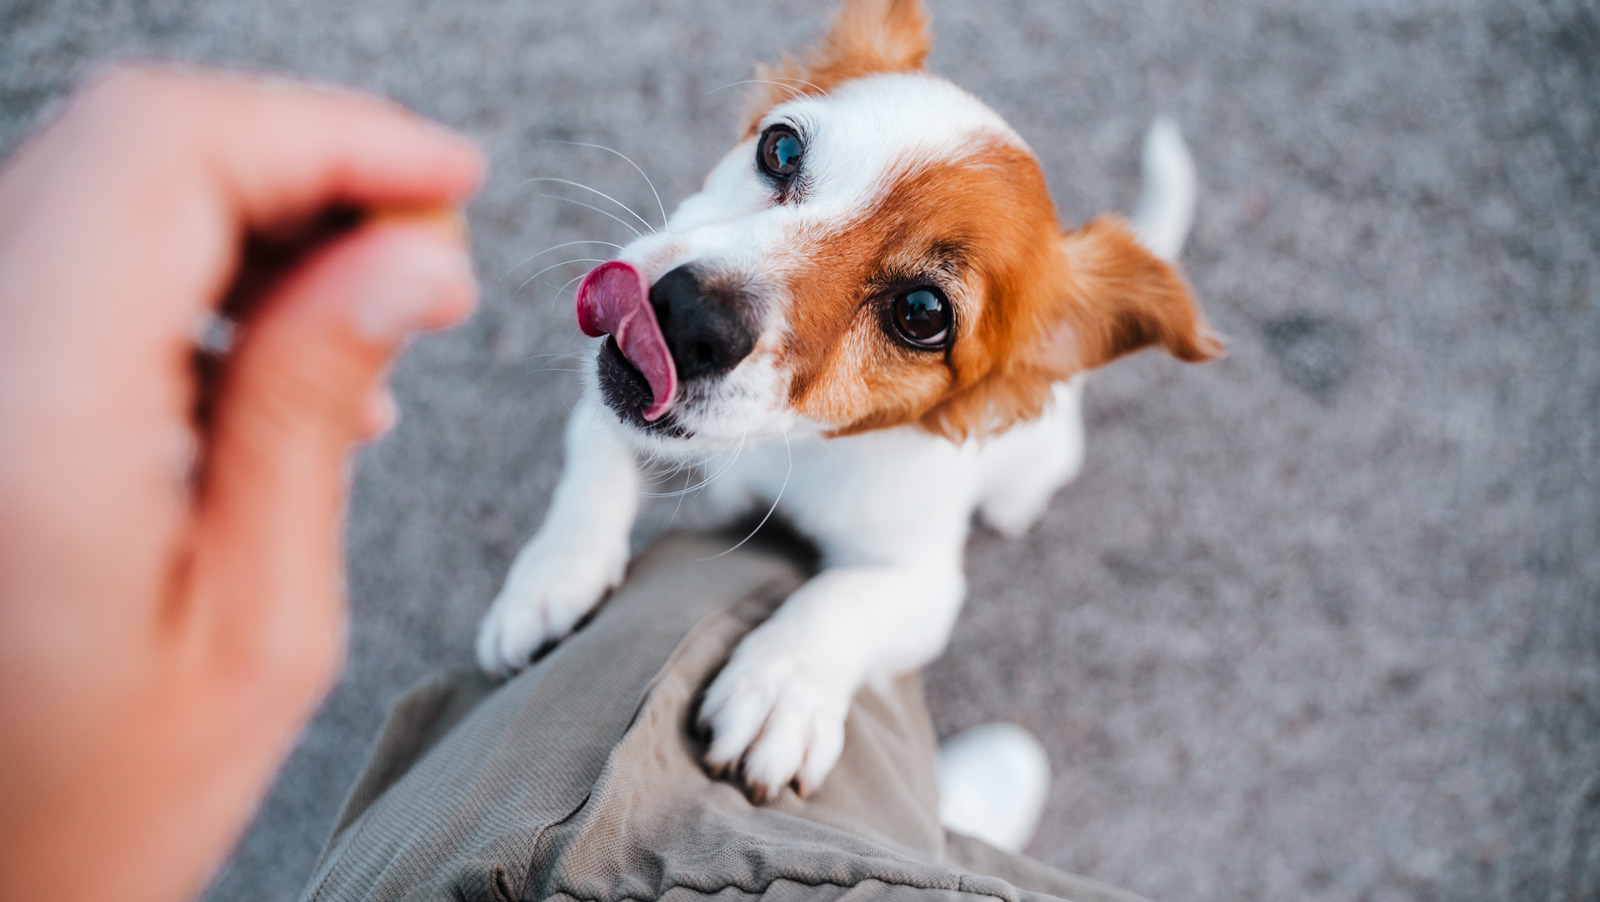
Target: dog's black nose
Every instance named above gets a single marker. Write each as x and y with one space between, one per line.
707 329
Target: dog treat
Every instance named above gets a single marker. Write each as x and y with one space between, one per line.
448 218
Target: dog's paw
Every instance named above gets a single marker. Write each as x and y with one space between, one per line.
775 720
546 594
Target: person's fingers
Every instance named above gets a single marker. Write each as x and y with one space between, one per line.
158 173
279 150
213 614
128 214
268 564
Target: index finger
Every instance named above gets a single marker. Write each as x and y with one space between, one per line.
274 150
159 172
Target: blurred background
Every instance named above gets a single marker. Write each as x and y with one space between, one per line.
1320 621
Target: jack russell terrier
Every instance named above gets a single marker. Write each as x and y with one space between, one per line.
870 320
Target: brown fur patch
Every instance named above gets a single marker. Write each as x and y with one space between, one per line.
868 37
980 227
1102 296
1033 306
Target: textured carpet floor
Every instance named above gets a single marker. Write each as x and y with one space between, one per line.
1320 621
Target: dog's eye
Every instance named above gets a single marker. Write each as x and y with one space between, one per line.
778 152
922 317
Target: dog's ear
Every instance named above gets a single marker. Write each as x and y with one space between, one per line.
1126 299
868 37
1102 295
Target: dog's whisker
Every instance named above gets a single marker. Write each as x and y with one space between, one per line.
794 92
678 493
659 205
569 182
678 507
607 213
566 286
661 467
713 477
770 510
733 459
800 81
675 493
558 247
738 450
563 288
671 472
575 357
558 266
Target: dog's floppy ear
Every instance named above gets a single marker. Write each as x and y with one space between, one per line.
1101 296
1126 299
868 37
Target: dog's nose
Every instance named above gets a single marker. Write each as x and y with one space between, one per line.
706 329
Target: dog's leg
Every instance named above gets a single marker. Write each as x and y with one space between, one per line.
578 554
1027 465
777 710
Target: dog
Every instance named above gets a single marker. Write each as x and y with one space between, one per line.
871 321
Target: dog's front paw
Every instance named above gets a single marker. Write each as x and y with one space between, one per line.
776 719
547 592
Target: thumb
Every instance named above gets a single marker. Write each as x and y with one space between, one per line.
268 568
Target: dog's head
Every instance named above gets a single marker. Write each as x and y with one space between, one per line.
880 249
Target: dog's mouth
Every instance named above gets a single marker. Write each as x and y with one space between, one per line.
629 394
614 300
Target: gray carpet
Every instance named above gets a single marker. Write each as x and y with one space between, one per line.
1320 621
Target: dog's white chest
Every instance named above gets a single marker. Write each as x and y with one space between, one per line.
883 495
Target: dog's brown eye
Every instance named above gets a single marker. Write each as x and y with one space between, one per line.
779 152
923 317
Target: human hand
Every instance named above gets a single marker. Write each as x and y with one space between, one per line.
171 597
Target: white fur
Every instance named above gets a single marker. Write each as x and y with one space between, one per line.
579 553
889 509
1166 205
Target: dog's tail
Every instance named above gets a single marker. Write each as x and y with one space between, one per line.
1166 205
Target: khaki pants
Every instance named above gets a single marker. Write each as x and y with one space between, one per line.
580 779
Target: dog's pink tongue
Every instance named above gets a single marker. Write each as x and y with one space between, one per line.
614 300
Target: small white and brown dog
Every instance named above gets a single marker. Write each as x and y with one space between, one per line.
871 314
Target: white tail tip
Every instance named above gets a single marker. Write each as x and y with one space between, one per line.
1166 205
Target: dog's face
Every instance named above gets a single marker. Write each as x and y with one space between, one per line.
879 250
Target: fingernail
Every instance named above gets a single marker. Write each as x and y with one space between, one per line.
423 281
